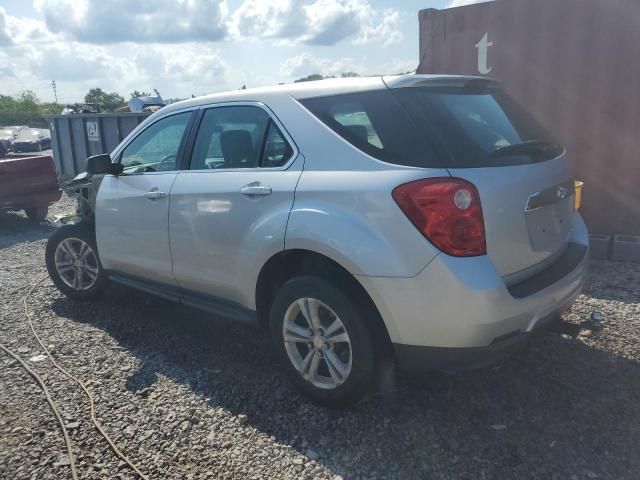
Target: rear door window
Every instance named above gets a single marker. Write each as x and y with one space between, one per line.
276 151
238 137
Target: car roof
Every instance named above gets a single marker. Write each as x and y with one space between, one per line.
330 86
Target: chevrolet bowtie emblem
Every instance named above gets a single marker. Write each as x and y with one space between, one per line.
562 193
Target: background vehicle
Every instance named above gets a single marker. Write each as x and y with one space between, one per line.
8 134
29 183
81 108
6 137
146 104
31 140
425 218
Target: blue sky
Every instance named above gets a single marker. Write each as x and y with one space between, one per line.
200 46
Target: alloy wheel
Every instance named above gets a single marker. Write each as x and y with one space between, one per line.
317 343
76 264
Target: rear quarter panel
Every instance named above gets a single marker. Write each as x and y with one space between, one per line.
352 218
343 207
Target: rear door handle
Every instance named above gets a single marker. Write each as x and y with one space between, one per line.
155 195
255 189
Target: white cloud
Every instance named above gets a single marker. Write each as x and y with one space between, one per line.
306 64
5 37
122 45
23 30
113 21
315 22
462 3
64 61
194 67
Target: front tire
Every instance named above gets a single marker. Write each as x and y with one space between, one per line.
321 336
73 262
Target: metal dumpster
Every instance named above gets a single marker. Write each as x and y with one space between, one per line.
574 65
74 138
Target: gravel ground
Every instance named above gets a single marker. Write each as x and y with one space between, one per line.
188 396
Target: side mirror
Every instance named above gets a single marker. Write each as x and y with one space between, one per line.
101 165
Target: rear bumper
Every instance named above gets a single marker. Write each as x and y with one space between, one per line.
413 358
39 199
463 304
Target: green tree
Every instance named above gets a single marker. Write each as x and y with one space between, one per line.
8 104
310 78
28 102
95 95
23 109
51 108
110 101
349 75
136 94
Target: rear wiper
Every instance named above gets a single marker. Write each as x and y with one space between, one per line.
529 146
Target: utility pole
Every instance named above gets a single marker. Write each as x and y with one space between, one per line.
55 93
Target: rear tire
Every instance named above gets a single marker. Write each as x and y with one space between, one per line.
330 358
73 262
37 214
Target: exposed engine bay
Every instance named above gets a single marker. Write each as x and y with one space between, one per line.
84 188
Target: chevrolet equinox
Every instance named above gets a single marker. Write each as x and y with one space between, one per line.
425 219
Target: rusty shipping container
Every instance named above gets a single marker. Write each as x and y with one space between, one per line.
575 64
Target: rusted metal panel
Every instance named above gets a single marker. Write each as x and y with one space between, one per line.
575 64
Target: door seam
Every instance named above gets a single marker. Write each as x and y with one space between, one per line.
169 200
293 203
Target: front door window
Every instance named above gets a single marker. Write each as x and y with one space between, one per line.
156 148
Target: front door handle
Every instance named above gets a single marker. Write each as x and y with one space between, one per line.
254 189
154 194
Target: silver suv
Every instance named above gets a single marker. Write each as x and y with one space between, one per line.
424 219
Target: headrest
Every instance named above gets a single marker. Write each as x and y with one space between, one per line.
237 149
358 131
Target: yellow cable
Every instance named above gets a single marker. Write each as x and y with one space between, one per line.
65 434
115 449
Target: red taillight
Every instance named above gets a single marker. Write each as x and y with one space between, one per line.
447 211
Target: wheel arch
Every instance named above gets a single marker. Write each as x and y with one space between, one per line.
291 263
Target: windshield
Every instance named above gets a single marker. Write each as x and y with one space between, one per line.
28 134
478 128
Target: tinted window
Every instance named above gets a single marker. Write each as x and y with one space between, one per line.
473 125
277 150
435 127
375 123
238 137
156 148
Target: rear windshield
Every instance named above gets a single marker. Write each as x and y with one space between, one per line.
437 127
